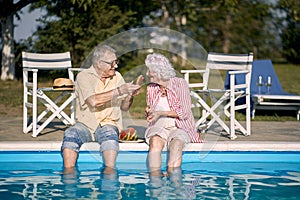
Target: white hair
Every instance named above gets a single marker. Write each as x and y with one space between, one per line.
100 52
160 65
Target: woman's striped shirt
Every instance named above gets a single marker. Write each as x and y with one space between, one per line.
178 95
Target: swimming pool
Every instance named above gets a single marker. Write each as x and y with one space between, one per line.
204 175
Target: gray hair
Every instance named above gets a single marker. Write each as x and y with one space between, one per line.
100 51
160 65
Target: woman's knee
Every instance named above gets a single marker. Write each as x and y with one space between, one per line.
156 143
176 142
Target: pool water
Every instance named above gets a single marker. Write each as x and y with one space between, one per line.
214 175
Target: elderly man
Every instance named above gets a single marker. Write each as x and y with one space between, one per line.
101 94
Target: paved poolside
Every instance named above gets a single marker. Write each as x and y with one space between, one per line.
269 135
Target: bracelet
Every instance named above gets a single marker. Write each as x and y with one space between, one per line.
166 114
130 96
119 91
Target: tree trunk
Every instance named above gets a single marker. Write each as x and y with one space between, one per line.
165 18
8 56
226 33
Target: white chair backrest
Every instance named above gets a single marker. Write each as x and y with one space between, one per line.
229 61
220 61
46 61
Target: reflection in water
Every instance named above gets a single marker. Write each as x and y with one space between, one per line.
104 184
70 180
263 181
169 186
108 184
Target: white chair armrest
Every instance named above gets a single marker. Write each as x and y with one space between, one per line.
193 71
187 73
30 69
76 69
238 72
71 72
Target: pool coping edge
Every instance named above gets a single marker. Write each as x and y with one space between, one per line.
207 146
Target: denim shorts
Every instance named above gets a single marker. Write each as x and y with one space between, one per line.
107 136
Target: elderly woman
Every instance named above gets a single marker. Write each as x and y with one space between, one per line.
168 112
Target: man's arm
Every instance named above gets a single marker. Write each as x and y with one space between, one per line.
126 103
99 99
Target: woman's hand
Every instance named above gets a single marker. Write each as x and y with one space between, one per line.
139 82
153 116
148 113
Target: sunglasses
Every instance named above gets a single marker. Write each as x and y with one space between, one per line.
112 63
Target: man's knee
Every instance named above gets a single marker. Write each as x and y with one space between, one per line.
72 139
109 145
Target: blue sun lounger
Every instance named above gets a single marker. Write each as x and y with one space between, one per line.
266 91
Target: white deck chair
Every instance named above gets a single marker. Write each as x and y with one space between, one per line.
32 63
223 101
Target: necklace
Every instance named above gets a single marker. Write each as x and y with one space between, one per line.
163 91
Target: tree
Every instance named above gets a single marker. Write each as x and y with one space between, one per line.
80 25
8 9
290 36
78 29
232 26
229 26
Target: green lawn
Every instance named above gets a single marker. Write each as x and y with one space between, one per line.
11 96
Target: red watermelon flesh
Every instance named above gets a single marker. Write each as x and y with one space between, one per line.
129 134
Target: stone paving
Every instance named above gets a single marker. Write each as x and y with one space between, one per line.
285 131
